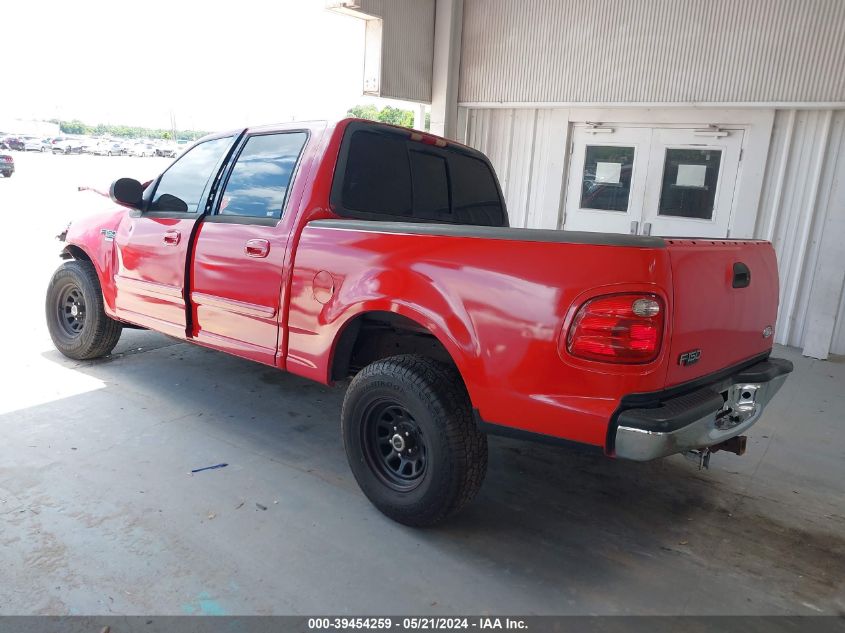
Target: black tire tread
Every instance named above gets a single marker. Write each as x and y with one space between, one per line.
440 386
106 331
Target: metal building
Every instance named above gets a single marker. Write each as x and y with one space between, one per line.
705 118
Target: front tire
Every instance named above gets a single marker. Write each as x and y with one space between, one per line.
76 319
411 440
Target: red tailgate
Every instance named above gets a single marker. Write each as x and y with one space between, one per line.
714 311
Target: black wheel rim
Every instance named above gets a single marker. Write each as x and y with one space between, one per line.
70 309
394 445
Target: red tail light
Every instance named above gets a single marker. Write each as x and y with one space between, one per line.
623 328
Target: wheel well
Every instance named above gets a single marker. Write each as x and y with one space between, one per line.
74 252
377 335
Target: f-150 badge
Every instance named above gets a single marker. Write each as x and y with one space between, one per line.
108 235
689 358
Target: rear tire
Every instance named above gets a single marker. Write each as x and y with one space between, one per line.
76 319
411 440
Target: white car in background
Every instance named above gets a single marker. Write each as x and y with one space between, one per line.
143 149
167 150
70 146
34 144
106 148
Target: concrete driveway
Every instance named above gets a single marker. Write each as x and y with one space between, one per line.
100 514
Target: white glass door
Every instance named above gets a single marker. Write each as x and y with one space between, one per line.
607 179
691 182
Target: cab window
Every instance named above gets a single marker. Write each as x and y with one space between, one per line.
258 184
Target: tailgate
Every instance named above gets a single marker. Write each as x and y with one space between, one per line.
714 311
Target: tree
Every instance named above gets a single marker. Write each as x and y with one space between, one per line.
124 131
389 114
368 111
396 116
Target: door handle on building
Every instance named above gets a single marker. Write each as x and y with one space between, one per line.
634 227
647 228
257 248
172 237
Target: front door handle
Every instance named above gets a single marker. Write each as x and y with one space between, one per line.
257 248
172 237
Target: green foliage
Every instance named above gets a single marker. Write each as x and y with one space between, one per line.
364 112
124 131
396 116
389 114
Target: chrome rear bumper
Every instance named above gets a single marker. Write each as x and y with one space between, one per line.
702 418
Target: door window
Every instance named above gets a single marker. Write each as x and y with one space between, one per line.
259 182
606 182
181 187
690 177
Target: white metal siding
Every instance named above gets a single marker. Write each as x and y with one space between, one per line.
407 46
528 149
801 209
653 51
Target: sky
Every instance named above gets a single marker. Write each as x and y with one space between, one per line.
213 65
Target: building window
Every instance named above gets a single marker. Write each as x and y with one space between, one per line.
606 183
690 177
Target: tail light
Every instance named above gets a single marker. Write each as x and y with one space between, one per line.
621 328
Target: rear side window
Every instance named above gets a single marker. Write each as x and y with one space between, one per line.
259 182
377 178
386 175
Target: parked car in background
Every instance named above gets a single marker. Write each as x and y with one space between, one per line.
167 150
106 148
35 144
70 146
15 143
7 165
143 149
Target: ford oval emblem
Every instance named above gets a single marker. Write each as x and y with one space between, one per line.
768 331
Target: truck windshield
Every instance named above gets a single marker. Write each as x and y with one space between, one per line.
387 174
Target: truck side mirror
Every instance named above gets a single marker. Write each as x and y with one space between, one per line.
127 192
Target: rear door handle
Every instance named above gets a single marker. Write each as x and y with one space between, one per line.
172 237
257 248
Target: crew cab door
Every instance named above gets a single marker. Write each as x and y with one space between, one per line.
239 256
151 246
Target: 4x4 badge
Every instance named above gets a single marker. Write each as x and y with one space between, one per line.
689 358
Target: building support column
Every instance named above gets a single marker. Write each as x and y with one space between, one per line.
448 22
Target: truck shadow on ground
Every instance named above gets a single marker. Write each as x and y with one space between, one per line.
545 514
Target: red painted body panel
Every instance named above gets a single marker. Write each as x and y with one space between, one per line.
501 308
149 274
235 298
87 234
725 323
500 318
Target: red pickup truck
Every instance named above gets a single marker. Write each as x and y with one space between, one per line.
365 251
